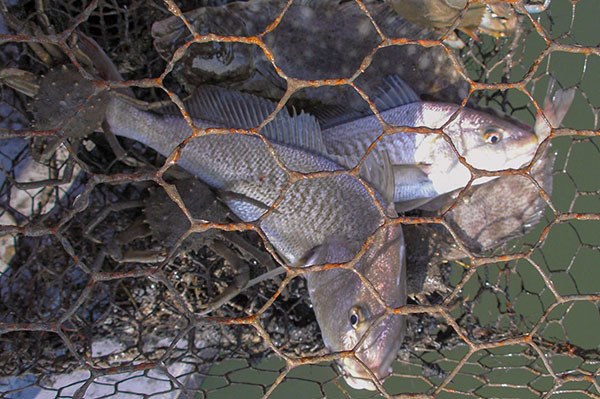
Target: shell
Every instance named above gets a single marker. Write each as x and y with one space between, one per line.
69 102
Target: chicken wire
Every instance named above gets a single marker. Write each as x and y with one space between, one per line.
100 299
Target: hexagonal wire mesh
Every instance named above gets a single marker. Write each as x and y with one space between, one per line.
117 266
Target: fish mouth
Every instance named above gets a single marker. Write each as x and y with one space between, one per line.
357 377
355 374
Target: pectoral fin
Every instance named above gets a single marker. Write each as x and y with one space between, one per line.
334 250
245 207
413 188
378 171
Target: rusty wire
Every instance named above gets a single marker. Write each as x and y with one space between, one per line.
85 312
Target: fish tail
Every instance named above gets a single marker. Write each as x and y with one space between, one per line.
556 106
101 61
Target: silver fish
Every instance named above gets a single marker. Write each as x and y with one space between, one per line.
425 165
421 166
322 219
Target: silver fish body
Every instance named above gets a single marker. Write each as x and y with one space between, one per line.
320 219
423 166
485 141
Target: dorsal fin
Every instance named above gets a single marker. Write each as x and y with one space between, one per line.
394 92
298 130
334 115
239 110
225 107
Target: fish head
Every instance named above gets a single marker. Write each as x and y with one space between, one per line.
356 316
490 142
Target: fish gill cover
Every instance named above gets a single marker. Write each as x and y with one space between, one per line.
123 275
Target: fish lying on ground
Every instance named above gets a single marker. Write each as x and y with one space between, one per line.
314 40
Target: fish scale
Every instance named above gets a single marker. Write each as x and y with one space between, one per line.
319 219
425 164
419 166
326 218
242 164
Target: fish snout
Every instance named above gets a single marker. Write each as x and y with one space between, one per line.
376 354
357 377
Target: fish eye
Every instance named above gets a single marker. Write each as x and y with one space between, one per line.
354 319
492 136
357 316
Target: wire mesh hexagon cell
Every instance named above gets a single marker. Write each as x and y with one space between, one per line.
125 276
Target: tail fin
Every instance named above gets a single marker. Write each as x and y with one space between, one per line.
105 68
556 106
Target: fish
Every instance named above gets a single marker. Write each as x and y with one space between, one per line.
317 219
425 165
493 143
483 219
333 39
330 295
422 166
